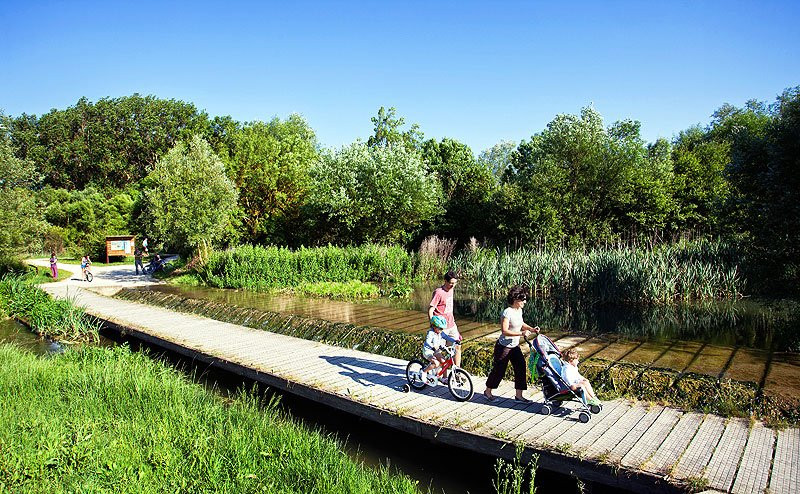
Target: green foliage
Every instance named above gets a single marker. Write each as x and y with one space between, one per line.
114 142
109 420
688 271
510 476
189 201
353 289
20 215
498 157
599 182
371 194
80 220
269 163
466 186
56 319
387 131
265 268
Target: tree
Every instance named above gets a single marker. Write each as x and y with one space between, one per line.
188 198
269 163
387 131
498 157
371 194
466 185
21 224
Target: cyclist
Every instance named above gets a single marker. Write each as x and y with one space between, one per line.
85 265
432 347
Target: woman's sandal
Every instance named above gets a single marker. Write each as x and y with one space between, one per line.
488 396
522 400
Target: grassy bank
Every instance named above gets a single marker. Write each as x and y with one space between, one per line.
686 271
612 379
55 319
98 419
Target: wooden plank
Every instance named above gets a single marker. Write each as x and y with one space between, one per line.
675 444
614 434
786 464
697 455
753 472
721 470
635 434
599 427
652 439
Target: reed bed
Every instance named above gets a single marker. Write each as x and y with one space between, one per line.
700 270
55 319
109 420
266 268
613 379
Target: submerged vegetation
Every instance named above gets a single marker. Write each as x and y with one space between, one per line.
55 319
102 419
614 379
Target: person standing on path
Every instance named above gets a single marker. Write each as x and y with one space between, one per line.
507 347
54 265
144 246
442 305
137 260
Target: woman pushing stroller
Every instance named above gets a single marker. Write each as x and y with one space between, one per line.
507 347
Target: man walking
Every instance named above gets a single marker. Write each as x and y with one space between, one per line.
137 260
442 305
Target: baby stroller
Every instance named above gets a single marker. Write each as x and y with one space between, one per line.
545 365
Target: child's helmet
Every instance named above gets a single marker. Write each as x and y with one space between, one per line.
439 322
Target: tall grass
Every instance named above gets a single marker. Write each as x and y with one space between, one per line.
264 268
687 271
108 420
55 319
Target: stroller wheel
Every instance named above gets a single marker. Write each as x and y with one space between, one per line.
406 388
584 417
596 408
546 410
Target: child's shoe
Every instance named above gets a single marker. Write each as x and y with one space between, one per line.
593 401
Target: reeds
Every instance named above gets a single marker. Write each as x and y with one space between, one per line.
265 268
109 420
700 270
56 319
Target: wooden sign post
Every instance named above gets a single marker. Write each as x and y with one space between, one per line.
122 245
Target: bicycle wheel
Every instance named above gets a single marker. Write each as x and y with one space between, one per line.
412 374
460 385
89 276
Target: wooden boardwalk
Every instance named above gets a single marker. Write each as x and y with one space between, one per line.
633 445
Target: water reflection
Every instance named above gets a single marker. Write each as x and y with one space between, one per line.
12 331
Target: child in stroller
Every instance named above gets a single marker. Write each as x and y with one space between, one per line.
547 364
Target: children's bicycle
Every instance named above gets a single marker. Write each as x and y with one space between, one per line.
458 380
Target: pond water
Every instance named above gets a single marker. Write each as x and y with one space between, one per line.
13 331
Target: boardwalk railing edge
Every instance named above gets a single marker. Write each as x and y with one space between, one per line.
612 475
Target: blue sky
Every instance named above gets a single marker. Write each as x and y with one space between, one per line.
479 72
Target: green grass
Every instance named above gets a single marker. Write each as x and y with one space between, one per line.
55 319
108 420
352 289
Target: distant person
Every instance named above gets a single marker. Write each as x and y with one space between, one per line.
144 246
442 305
507 347
85 265
137 260
54 265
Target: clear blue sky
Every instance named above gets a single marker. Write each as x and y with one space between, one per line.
479 72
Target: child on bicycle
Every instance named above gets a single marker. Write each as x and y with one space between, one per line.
432 347
570 373
85 263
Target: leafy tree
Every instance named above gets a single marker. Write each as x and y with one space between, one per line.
602 183
113 142
371 194
498 157
466 185
21 224
269 163
188 199
387 131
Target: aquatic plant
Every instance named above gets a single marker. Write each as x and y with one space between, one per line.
55 319
665 274
112 420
